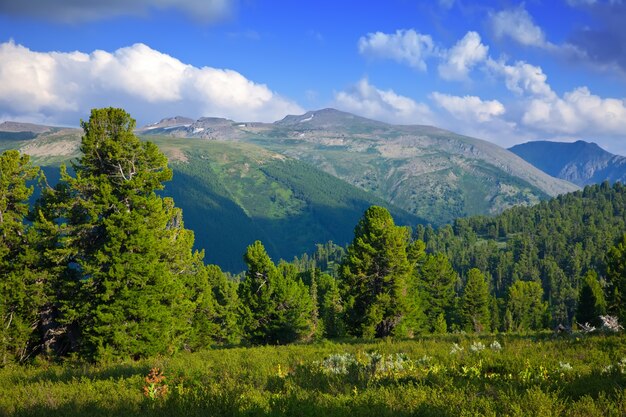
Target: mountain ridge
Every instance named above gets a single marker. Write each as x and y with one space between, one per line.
432 172
582 163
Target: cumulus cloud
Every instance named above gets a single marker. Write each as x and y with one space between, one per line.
518 25
366 100
405 46
460 59
522 78
62 87
577 112
469 108
72 11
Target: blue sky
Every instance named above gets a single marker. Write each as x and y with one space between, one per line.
504 71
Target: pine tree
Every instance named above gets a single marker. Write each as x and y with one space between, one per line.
526 306
126 261
21 287
275 305
377 279
616 275
215 315
437 280
330 306
591 302
475 302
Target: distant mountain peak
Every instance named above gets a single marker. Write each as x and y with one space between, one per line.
580 162
10 126
168 123
326 118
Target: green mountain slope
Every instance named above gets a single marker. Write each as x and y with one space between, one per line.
235 193
433 173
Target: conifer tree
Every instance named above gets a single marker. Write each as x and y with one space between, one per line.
591 301
475 302
125 258
21 287
437 280
616 275
525 306
275 305
376 274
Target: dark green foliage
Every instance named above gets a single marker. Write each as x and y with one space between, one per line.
123 255
275 305
216 303
616 275
377 279
525 307
475 302
21 286
591 301
330 306
437 280
554 243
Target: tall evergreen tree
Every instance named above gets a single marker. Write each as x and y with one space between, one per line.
437 280
475 302
616 275
526 309
376 274
275 305
126 259
21 287
591 301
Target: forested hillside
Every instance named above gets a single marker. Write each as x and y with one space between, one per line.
555 243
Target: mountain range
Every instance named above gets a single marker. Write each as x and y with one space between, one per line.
430 172
579 162
307 179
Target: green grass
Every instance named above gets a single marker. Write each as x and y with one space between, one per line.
536 375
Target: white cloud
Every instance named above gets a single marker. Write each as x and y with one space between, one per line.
522 78
460 59
72 11
469 108
366 100
406 46
62 87
518 25
578 112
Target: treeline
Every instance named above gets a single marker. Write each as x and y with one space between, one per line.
101 267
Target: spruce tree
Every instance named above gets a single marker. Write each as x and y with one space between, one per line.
126 261
475 302
379 292
21 286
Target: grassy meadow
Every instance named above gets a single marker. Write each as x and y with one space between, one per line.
449 375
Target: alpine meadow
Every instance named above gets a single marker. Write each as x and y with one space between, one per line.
263 209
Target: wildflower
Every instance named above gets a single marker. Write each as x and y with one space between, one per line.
477 347
495 345
155 385
456 349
